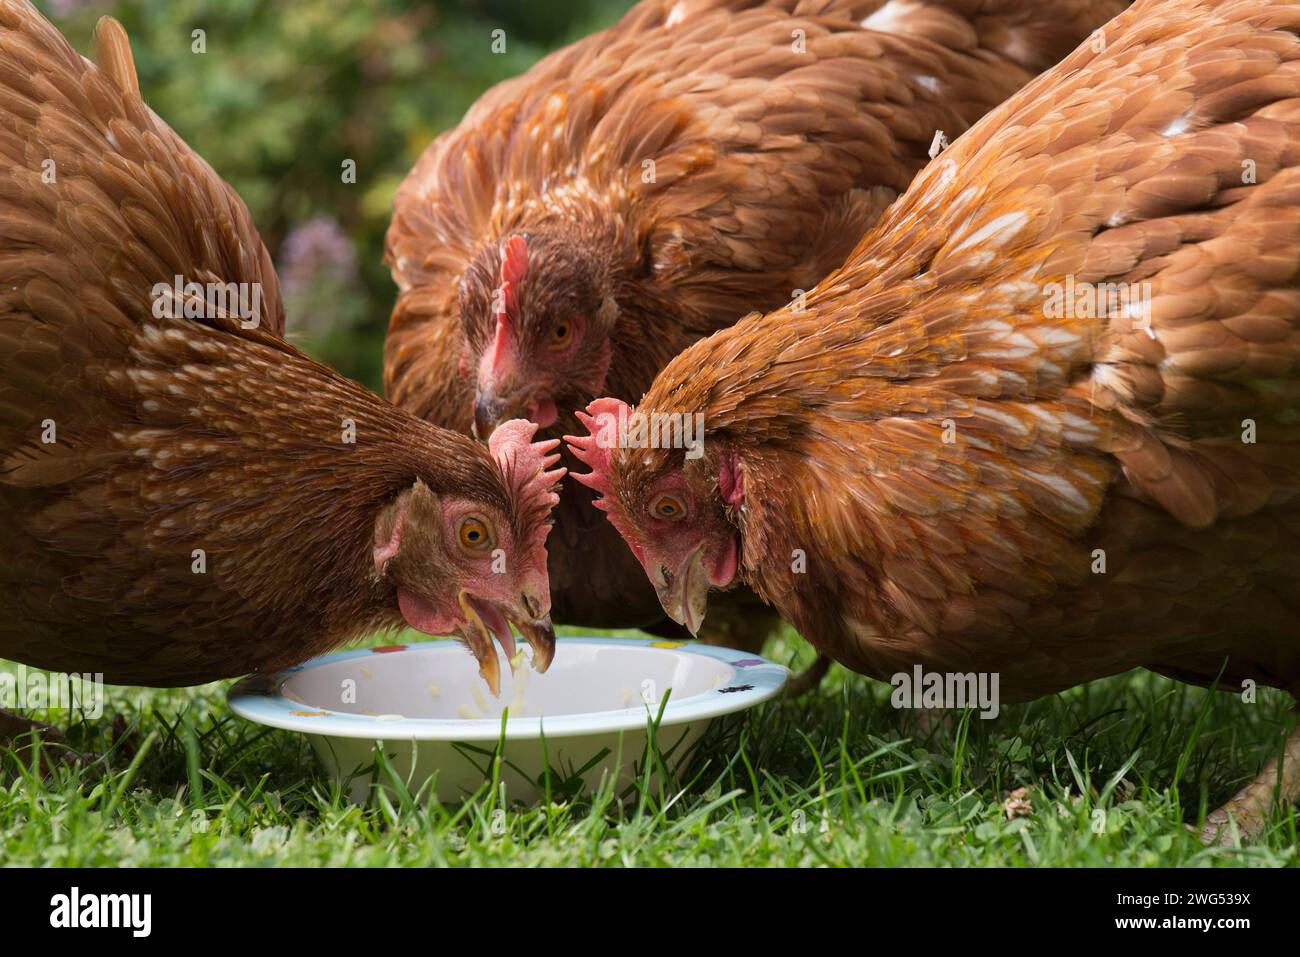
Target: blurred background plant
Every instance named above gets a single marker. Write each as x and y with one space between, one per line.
287 91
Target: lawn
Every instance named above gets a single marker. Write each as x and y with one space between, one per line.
836 778
1112 770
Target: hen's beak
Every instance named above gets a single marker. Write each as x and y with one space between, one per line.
685 592
492 408
487 620
489 409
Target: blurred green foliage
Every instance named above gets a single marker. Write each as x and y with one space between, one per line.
287 90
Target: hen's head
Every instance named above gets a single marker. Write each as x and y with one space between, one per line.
537 311
469 557
675 508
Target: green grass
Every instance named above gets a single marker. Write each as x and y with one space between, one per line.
838 778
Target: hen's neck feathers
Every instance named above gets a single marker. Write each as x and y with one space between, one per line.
296 461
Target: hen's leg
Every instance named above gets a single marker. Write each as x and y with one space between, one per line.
808 679
1249 807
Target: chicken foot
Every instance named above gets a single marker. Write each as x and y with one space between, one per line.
1248 809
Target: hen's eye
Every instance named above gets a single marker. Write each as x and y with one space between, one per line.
474 534
668 507
561 334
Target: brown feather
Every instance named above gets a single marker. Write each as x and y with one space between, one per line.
1161 443
771 157
132 443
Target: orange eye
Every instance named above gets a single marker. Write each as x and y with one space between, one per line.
668 507
474 534
561 335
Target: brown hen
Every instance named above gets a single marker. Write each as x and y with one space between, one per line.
652 183
1043 422
183 496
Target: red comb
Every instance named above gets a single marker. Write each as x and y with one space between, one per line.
498 360
529 471
594 450
514 267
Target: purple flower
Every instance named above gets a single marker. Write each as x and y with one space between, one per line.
319 279
66 8
317 250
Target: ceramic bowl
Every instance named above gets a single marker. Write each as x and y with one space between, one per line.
586 719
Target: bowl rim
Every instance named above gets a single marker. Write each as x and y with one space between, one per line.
260 698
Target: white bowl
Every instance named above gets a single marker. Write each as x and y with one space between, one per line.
588 717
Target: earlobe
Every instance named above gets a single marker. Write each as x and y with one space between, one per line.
731 480
607 315
391 525
389 544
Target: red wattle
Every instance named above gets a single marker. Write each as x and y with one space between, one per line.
724 566
423 615
544 412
